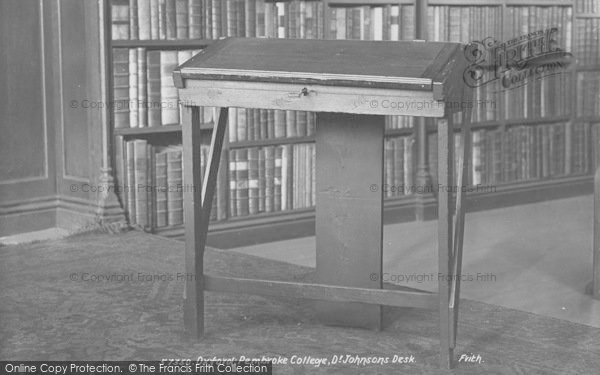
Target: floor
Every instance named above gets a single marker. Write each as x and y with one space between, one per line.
100 296
40 235
535 258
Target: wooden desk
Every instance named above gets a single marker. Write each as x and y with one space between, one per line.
351 85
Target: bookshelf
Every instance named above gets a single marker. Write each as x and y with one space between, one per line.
533 142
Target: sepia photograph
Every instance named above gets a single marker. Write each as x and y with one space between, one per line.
300 187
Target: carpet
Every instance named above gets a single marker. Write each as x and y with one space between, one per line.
118 297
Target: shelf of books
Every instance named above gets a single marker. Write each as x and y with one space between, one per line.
539 132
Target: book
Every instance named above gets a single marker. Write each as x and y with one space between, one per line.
142 94
131 186
120 179
389 172
241 176
120 19
287 181
171 19
253 188
133 20
144 19
168 91
277 179
195 19
408 163
154 89
233 183
181 19
175 188
398 165
133 89
121 87
222 187
261 180
154 25
232 125
269 178
161 187
279 123
141 182
290 124
242 124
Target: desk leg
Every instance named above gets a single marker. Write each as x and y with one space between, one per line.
349 212
445 177
197 202
595 285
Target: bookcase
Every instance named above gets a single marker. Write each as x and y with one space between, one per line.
529 142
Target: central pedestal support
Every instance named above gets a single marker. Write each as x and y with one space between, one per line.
349 212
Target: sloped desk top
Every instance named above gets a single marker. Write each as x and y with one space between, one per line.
368 77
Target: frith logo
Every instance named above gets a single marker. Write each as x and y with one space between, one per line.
515 62
470 358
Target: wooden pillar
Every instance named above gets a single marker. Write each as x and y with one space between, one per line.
349 212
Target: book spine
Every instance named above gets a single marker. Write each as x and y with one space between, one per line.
263 121
301 124
121 169
261 24
142 95
290 124
279 123
286 177
133 20
154 89
141 175
195 13
233 183
144 19
232 125
223 187
181 19
149 188
171 19
175 191
120 19
241 171
253 186
399 165
131 187
313 175
133 89
270 123
154 24
168 91
311 123
269 178
309 171
261 180
242 125
121 87
161 189
208 19
408 161
250 18
257 126
389 168
162 19
277 179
